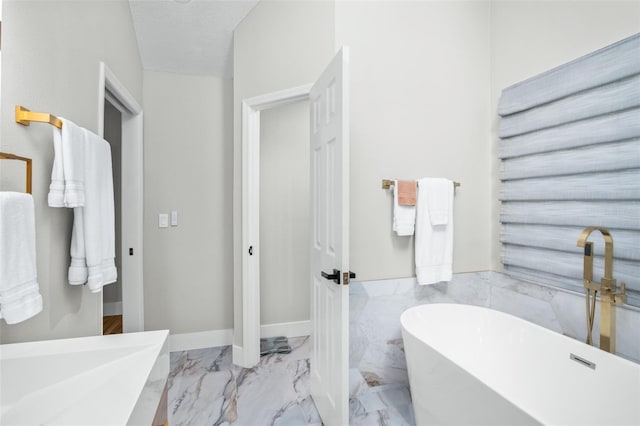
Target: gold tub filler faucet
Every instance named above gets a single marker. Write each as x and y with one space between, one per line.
607 288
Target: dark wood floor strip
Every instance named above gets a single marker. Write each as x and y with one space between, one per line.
112 324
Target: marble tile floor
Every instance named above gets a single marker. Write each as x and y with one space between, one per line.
374 403
205 388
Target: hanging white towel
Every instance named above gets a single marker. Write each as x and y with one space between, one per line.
87 188
74 143
404 217
440 201
78 272
434 231
56 188
94 224
20 297
68 172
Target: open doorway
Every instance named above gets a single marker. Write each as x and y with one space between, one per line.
125 122
112 293
247 355
284 218
284 222
329 231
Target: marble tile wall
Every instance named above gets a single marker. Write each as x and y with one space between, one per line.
379 385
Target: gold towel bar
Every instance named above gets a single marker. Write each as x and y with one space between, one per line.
387 183
25 117
7 156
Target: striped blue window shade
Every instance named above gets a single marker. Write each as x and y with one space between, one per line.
570 158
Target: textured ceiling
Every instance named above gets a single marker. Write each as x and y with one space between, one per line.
188 36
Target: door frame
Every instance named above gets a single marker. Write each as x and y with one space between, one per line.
248 354
110 88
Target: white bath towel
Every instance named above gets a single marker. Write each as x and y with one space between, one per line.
93 236
440 201
404 217
68 172
74 143
56 188
78 271
84 168
20 297
434 231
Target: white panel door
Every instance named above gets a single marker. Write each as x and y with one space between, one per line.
329 122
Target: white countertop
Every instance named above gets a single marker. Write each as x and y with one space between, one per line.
100 380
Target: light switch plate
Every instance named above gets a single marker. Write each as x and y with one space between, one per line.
163 220
174 218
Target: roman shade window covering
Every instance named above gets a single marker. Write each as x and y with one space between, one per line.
570 158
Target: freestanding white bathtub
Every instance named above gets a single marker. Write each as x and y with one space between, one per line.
470 365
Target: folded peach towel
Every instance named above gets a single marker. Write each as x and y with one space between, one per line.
407 192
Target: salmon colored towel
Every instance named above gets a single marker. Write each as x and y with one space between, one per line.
407 192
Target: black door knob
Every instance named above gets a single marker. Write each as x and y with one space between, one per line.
335 277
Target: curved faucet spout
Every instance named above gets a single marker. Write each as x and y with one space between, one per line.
588 252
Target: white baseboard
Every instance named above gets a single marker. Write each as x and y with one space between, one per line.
112 308
287 329
199 340
215 338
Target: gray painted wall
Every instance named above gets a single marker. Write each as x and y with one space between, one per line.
188 167
284 214
51 53
419 96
